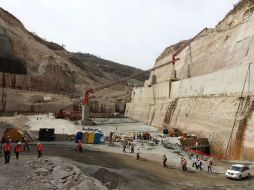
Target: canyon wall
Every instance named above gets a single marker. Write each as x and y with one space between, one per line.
213 94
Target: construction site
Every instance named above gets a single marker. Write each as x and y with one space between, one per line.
109 126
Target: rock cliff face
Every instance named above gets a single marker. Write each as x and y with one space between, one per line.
213 93
39 65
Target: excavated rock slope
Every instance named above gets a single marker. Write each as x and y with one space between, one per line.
39 65
209 103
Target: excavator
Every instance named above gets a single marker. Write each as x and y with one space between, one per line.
76 115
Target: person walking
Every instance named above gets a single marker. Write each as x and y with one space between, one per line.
79 146
124 147
132 148
39 149
17 150
184 163
199 164
7 152
138 154
194 161
164 160
26 141
209 167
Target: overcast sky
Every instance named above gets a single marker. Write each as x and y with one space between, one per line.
131 32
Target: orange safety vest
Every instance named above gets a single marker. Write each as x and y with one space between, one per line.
18 148
39 147
7 147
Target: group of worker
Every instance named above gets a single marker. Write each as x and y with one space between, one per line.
130 146
7 146
196 162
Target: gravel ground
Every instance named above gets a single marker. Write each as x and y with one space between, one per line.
114 171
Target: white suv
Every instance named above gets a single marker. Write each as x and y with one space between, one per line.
238 171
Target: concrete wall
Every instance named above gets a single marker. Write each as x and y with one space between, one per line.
156 93
226 82
209 117
151 114
213 118
205 105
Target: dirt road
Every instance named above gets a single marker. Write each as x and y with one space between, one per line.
124 172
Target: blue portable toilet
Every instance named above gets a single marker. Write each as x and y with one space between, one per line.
97 138
79 136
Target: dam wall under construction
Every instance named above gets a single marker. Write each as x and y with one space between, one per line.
212 94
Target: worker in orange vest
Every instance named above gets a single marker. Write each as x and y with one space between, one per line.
17 150
7 152
39 150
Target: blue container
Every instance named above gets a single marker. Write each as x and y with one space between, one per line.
79 136
97 138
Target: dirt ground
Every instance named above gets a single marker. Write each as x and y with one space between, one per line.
120 171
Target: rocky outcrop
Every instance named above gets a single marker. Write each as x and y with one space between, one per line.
49 66
31 63
55 173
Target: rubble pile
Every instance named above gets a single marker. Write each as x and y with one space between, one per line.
54 173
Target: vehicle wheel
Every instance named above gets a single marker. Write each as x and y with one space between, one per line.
240 177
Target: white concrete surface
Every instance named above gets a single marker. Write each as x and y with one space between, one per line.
61 126
225 82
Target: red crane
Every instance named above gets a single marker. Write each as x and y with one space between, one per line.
188 42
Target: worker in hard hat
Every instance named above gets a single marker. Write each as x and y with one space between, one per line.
39 149
17 150
7 152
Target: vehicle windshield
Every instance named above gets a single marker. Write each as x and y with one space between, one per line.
235 168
